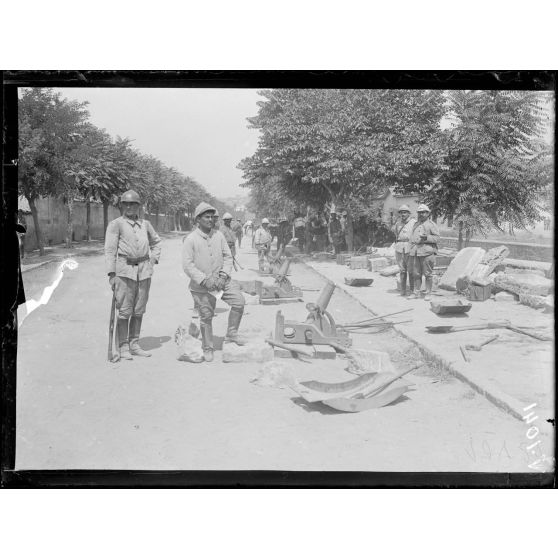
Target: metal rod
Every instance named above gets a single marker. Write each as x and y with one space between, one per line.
377 317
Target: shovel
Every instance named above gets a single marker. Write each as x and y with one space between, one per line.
451 329
489 325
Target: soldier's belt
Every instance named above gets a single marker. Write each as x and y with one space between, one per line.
133 261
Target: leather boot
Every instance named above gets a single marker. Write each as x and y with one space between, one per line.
122 326
411 282
235 315
207 340
135 328
428 285
403 283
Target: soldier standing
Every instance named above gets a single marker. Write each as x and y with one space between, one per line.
284 234
335 232
402 230
132 248
207 260
237 229
262 242
423 250
214 220
228 233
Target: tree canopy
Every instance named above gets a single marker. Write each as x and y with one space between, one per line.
488 168
337 145
61 153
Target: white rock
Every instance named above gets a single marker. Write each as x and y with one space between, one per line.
276 373
251 352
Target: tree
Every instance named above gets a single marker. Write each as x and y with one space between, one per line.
49 126
332 146
496 167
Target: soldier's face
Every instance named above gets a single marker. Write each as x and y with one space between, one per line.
404 215
422 215
227 222
131 209
206 221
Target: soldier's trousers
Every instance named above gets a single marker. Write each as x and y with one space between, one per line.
131 296
205 301
404 261
422 265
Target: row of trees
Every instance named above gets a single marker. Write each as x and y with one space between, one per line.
62 154
476 157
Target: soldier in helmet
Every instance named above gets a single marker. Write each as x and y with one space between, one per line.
423 250
215 220
228 233
402 231
132 248
262 242
207 260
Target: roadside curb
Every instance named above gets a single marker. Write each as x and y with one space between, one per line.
498 398
30 267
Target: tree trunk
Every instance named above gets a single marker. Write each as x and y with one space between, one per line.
468 235
38 233
157 219
450 221
88 218
460 237
69 222
105 217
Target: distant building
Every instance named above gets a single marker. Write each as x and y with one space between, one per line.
389 202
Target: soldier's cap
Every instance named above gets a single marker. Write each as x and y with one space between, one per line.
265 220
404 208
202 208
227 216
423 207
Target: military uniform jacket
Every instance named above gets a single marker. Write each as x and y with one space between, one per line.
262 237
430 245
129 238
228 233
402 233
205 255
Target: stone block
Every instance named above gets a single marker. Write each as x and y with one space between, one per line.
390 270
358 262
528 283
504 296
492 259
251 352
251 299
461 266
377 264
534 301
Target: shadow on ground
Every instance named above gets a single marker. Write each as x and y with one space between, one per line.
151 343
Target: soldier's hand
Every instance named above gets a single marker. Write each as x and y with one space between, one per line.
209 283
153 261
112 280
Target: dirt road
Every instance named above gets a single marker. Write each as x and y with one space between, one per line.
76 410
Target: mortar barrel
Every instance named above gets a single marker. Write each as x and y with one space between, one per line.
325 296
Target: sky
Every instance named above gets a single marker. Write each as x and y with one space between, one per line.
201 132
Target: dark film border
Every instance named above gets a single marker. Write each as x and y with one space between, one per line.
12 79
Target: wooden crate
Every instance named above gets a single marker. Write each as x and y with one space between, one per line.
479 292
358 262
